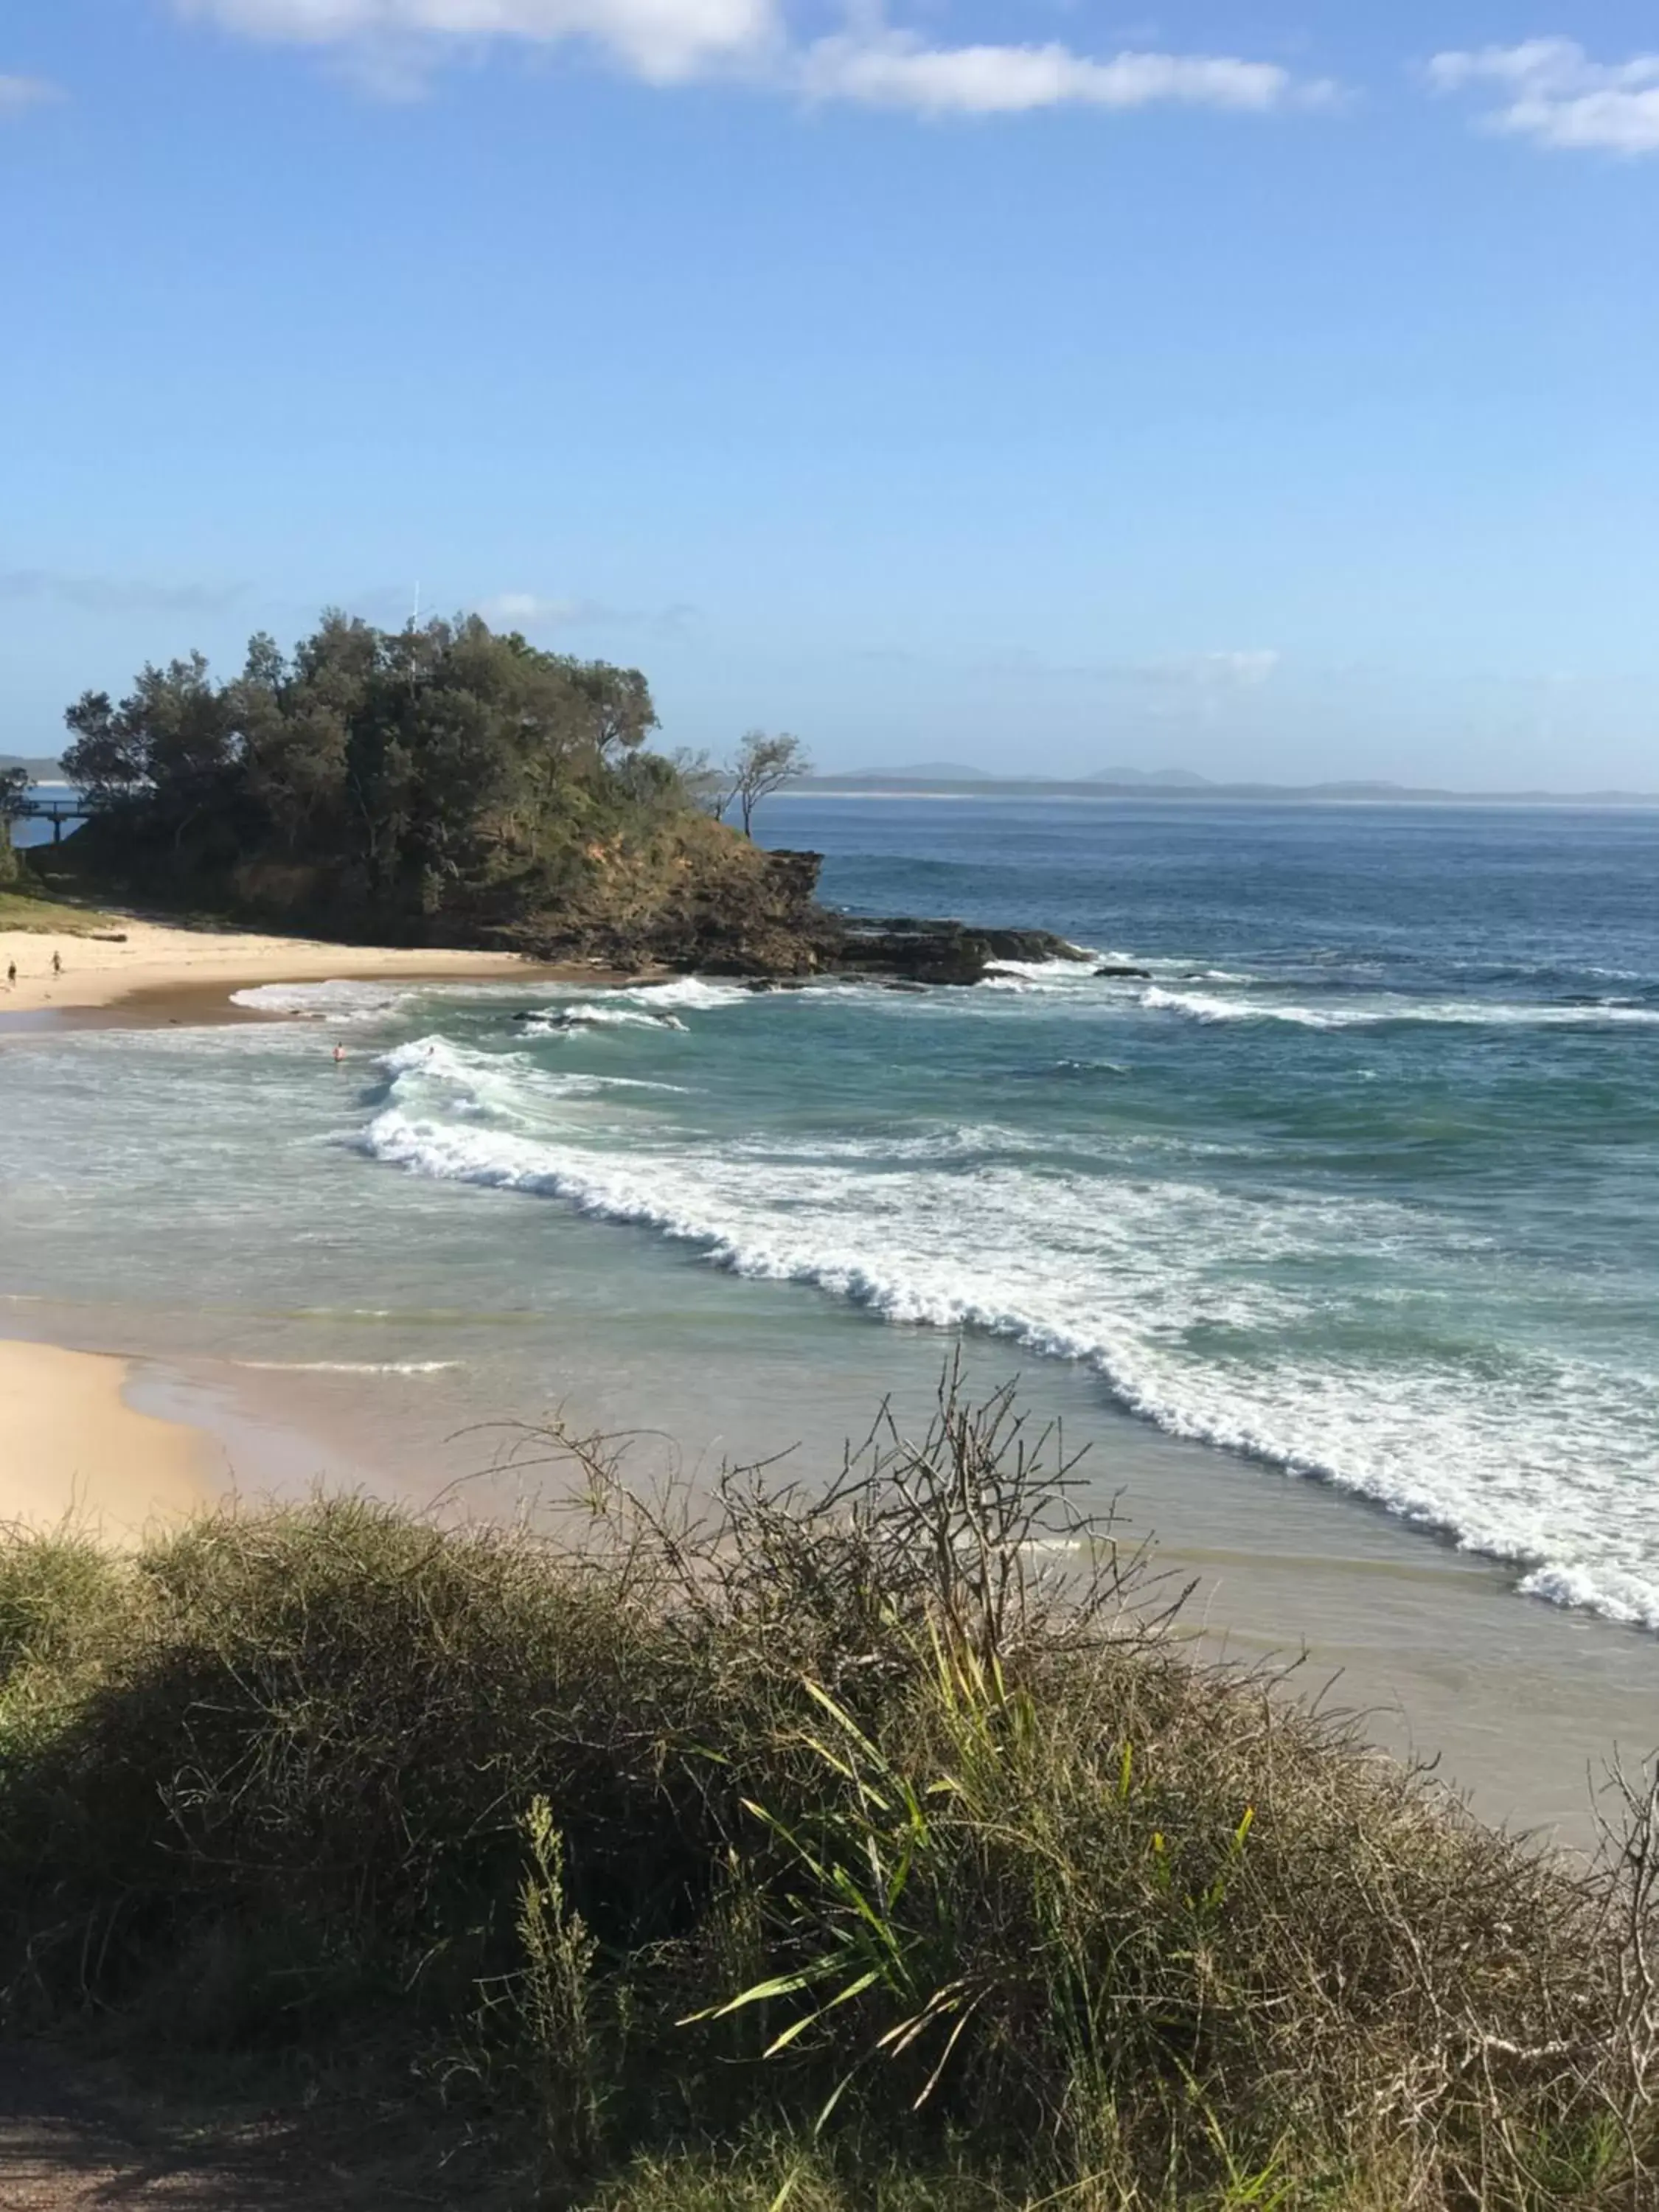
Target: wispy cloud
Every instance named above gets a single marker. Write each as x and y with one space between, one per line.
393 43
115 595
1549 90
540 612
1198 673
537 610
664 41
897 69
19 92
1233 672
1191 675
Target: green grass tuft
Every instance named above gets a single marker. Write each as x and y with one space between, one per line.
872 1850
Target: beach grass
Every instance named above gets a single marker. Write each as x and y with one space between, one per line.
858 1851
22 910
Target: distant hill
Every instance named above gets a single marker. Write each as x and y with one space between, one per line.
1175 786
38 770
1166 779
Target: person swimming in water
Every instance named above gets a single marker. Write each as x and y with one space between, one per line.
339 1054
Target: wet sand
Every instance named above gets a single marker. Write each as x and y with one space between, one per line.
74 1450
1520 1703
159 972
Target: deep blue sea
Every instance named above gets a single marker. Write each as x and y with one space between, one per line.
1361 1179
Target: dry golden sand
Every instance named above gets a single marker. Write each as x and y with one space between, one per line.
72 1449
157 957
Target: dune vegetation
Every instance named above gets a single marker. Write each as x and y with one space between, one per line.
21 908
870 1849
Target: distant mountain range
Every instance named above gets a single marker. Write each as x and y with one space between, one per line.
954 772
1180 782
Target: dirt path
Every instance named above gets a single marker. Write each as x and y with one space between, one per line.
65 2147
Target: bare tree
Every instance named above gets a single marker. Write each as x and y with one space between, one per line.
764 764
706 786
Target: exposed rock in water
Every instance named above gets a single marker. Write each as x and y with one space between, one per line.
762 925
1122 969
924 952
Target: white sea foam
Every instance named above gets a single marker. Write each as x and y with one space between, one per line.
435 1056
1376 1011
1165 1287
504 1086
687 991
351 1366
1028 976
558 1021
338 1001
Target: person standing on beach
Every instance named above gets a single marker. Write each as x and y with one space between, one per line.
57 965
11 974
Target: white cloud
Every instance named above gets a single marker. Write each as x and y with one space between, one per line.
537 610
17 93
1550 91
664 41
540 611
1240 672
894 69
669 41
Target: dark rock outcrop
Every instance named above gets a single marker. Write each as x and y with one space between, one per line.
938 951
778 933
695 897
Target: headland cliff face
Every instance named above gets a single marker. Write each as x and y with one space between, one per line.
758 915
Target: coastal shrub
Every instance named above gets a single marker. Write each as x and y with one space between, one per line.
876 1846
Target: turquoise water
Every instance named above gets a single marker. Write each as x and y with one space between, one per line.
1359 1180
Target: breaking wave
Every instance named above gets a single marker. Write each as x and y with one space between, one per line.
1381 1011
1168 1287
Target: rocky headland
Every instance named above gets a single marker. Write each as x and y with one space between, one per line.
760 917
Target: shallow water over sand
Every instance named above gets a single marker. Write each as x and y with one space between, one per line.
1357 1182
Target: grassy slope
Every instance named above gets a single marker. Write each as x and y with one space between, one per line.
1024 1909
20 910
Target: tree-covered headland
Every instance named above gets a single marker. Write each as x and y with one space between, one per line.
448 784
444 783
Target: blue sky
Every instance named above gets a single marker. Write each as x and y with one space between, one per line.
1026 382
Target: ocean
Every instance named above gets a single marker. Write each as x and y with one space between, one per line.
1359 1183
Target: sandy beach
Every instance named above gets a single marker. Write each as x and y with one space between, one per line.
72 1449
160 958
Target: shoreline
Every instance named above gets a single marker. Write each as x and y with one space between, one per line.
163 972
77 1452
1430 1650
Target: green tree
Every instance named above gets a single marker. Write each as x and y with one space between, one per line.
106 758
439 768
14 789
